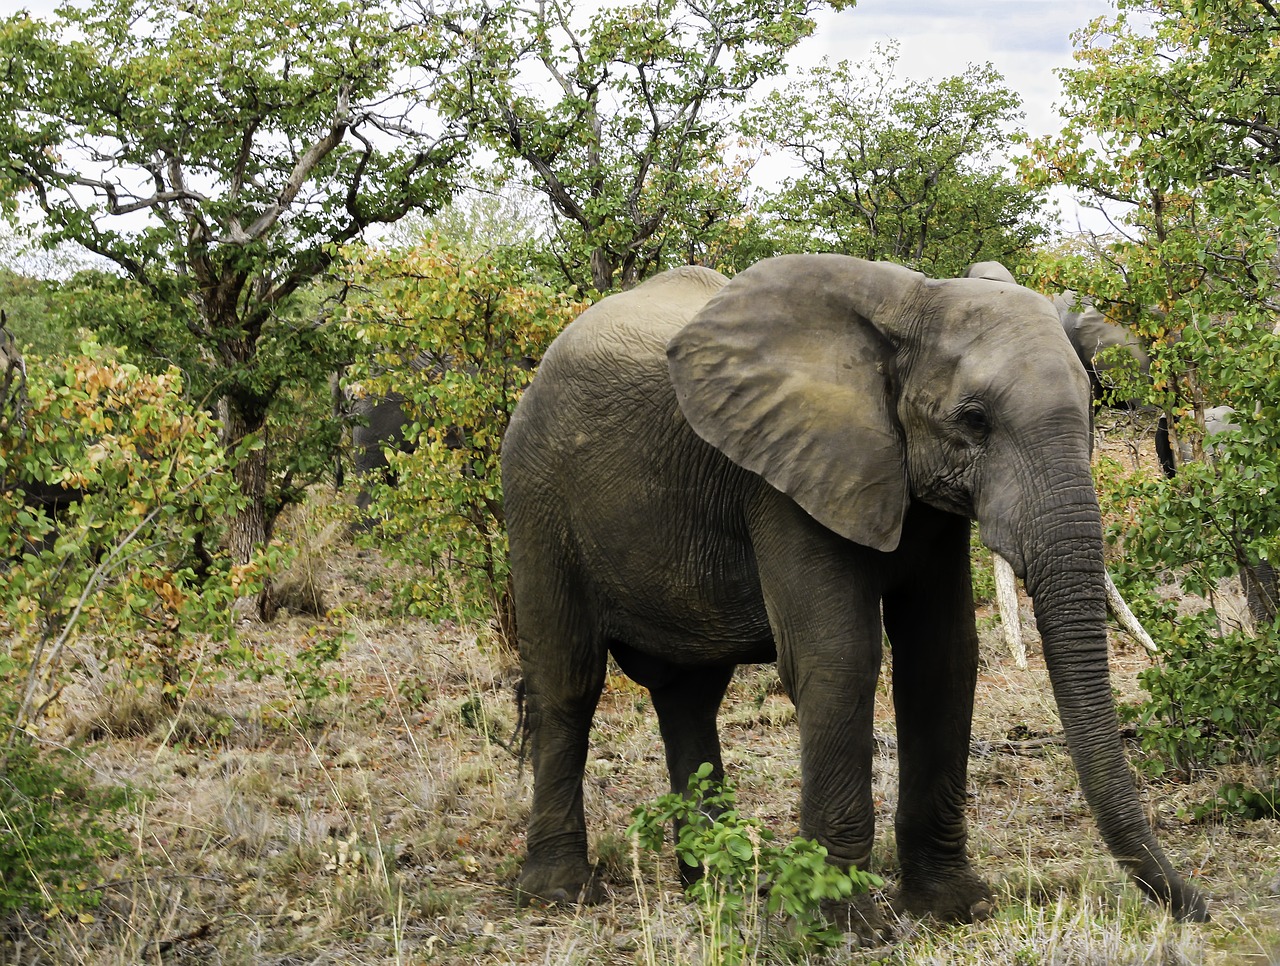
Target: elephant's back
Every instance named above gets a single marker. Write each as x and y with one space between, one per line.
611 361
629 331
601 468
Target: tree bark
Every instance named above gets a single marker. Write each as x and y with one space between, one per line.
250 529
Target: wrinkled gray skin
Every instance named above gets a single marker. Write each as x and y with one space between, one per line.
706 474
1087 329
1090 333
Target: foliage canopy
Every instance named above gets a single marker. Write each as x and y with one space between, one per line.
890 168
626 144
217 154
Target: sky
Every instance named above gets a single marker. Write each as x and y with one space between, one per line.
1026 40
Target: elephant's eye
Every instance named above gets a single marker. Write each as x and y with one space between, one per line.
974 421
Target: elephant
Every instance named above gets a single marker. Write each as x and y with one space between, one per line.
378 425
783 468
1091 333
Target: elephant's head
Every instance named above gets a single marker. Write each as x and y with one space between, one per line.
994 271
856 387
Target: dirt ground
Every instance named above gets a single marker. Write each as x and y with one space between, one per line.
386 824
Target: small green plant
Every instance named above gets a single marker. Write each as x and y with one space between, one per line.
982 570
1235 799
56 826
739 860
311 673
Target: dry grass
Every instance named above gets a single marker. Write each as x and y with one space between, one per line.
386 825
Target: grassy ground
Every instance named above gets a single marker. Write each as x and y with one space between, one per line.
291 823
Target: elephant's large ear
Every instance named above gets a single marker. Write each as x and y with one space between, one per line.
789 371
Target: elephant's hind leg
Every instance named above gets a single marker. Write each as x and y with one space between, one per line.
687 706
563 661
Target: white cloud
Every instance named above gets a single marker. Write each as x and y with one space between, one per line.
1025 40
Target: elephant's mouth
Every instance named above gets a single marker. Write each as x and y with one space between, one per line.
950 485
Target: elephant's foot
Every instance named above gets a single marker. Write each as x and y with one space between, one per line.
558 883
955 897
861 916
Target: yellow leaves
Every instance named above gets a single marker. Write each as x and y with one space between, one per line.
165 590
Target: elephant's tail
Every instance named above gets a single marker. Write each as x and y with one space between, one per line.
521 730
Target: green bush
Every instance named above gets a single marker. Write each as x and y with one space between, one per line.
457 336
128 577
1213 691
134 557
739 860
1211 697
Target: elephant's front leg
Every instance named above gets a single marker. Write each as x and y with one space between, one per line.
822 595
686 706
930 624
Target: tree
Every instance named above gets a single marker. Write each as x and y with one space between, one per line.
620 123
911 171
217 154
1172 128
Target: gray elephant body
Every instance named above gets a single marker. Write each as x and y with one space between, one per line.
706 474
1091 334
377 426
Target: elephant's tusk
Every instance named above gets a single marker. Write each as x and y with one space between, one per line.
1007 600
1124 616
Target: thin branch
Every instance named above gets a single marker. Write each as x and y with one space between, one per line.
302 170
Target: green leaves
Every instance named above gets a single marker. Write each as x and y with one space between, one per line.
140 476
627 142
739 860
897 169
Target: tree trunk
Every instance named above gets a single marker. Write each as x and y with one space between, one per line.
250 529
602 268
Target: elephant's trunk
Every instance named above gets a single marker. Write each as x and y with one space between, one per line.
1062 550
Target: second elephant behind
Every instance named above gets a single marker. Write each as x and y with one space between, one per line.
1093 337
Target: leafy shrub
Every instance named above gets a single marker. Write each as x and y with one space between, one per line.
135 553
458 337
1211 697
129 577
1214 688
738 859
